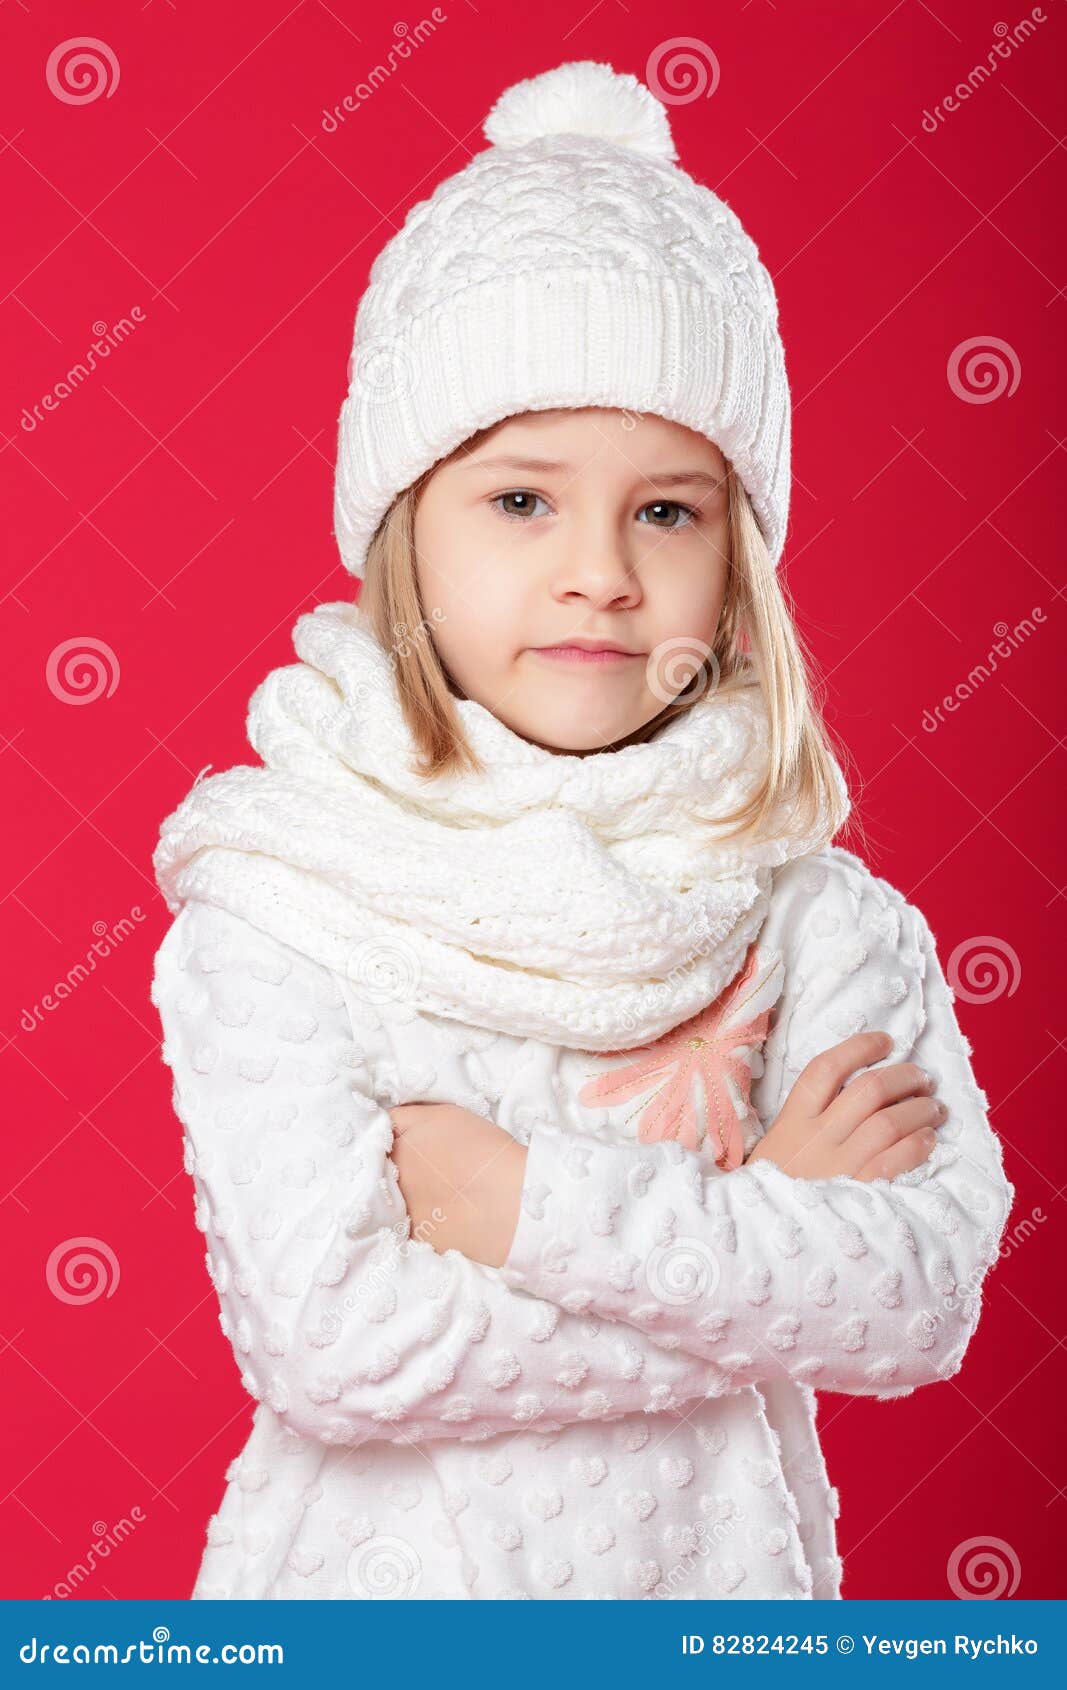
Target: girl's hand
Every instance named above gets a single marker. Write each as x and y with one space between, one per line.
879 1126
460 1177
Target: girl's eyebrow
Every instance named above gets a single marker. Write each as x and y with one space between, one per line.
552 466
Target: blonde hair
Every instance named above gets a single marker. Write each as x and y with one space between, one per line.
756 638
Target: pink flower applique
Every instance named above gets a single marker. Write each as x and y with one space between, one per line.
695 1057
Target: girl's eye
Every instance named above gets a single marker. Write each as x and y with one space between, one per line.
523 502
524 499
665 506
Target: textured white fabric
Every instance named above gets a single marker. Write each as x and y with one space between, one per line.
584 900
427 1427
571 263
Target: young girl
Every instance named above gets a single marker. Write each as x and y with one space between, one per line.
516 1003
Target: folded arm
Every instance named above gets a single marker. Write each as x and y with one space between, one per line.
346 1325
868 1288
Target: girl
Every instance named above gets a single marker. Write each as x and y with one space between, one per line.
515 1003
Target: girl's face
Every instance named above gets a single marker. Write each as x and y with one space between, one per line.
575 525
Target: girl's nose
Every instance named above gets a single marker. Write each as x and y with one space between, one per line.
598 566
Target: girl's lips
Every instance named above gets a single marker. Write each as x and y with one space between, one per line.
578 654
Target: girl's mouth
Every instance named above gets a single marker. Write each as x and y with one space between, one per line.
583 654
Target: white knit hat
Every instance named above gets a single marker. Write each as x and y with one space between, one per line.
569 264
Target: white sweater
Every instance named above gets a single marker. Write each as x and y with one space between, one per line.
627 1408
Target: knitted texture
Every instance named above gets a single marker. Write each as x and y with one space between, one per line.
570 264
625 1409
585 900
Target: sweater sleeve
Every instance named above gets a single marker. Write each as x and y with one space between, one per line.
347 1326
867 1288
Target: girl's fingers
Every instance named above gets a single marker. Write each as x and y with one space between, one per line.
407 1115
908 1153
818 1084
873 1093
887 1129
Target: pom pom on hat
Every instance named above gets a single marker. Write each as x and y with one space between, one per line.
583 98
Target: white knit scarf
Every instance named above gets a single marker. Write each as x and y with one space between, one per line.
581 900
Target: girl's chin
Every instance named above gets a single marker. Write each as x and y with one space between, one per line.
579 733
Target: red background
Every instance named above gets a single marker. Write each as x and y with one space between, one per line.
177 507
